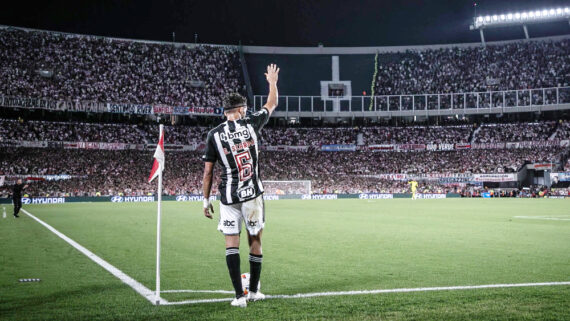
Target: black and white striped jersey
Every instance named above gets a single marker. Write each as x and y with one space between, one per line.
235 146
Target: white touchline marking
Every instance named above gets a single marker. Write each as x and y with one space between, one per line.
402 290
138 287
551 218
198 291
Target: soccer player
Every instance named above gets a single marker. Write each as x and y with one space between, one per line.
234 144
413 185
17 196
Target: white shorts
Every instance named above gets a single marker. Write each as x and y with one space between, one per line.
251 212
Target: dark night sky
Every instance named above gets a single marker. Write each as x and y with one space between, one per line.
282 23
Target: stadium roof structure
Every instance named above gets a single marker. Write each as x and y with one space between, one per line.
522 18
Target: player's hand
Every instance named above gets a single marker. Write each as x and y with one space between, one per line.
207 208
272 74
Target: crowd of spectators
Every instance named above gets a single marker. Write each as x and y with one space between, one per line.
33 130
417 135
513 66
101 172
491 133
563 131
290 136
58 66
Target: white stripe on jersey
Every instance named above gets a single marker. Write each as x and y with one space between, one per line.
254 136
231 143
227 165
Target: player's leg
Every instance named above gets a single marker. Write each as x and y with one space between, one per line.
230 226
255 260
17 205
253 212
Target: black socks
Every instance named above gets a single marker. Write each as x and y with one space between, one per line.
254 271
232 259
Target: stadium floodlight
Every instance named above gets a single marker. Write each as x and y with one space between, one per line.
520 19
533 16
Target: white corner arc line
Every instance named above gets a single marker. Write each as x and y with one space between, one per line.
401 290
138 287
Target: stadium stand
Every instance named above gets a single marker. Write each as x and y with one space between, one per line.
85 68
520 65
34 130
73 67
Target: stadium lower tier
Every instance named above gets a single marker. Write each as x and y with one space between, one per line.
125 172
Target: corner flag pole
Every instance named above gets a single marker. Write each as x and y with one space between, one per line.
158 235
157 169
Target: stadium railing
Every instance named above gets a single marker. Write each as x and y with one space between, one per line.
507 101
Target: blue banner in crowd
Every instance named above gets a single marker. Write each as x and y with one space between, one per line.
338 148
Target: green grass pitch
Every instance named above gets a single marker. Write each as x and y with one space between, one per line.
309 246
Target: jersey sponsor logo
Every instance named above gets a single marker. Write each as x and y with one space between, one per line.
243 145
245 192
229 223
252 223
243 134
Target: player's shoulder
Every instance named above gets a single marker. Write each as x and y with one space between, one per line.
217 129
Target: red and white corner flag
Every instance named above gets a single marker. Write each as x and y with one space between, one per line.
157 168
158 165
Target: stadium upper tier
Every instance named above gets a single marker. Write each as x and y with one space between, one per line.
14 130
72 67
513 66
66 67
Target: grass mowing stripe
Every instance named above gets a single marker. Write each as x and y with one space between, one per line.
344 293
139 288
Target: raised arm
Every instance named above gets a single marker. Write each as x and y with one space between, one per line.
272 75
206 187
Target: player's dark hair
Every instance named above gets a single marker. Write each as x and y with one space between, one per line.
234 100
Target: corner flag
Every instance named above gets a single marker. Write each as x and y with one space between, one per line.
158 165
157 168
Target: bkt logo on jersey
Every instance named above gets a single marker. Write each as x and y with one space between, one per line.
243 134
246 192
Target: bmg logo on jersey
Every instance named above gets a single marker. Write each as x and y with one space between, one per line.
246 192
229 223
243 134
